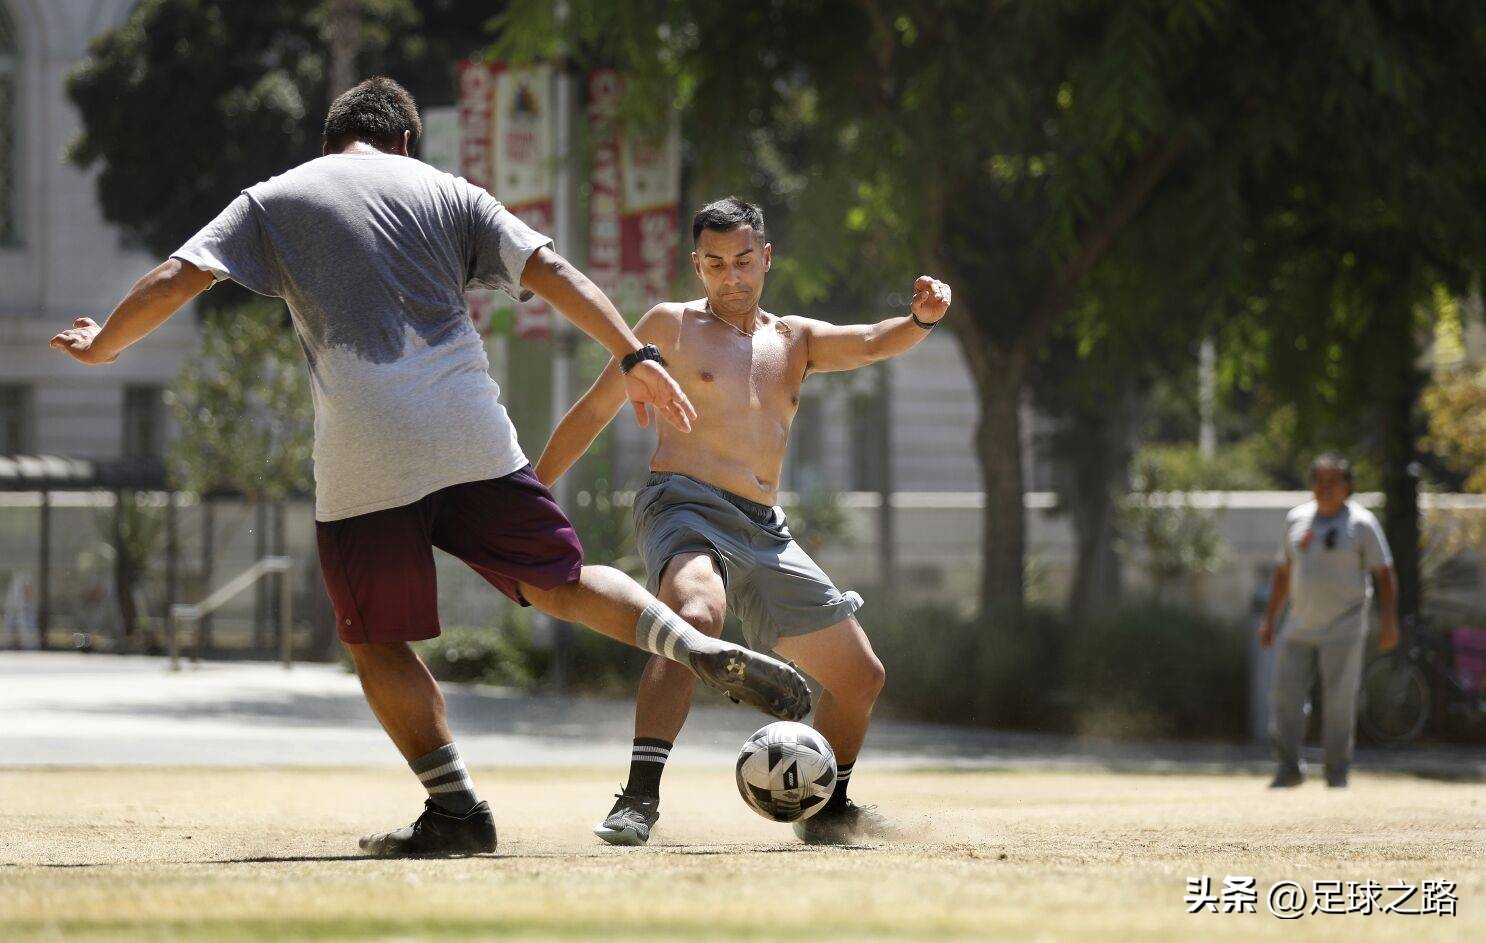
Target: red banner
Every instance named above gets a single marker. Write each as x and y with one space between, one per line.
476 118
652 197
506 145
605 236
634 197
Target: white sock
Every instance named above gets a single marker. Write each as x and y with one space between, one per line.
661 632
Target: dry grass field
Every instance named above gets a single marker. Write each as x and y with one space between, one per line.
263 854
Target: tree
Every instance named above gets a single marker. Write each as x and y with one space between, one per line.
243 407
1075 165
190 101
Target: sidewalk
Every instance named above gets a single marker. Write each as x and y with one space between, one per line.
101 710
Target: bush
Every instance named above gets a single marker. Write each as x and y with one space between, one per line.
1143 669
1151 669
946 667
502 655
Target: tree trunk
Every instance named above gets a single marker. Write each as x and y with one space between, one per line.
1098 450
345 43
998 442
123 574
1400 460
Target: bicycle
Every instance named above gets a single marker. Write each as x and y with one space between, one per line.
1406 690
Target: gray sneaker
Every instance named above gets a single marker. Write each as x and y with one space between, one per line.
846 825
630 820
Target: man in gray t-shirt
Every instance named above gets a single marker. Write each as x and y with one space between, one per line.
372 252
1332 548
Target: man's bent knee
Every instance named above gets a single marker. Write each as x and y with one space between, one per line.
861 685
703 617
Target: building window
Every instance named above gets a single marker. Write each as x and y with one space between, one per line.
15 420
9 123
144 422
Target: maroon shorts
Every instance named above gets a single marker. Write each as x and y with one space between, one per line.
379 569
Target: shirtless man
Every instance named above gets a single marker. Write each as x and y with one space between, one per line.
707 526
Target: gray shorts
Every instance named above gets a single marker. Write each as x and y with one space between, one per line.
773 586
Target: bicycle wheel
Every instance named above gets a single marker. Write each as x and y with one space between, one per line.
1397 700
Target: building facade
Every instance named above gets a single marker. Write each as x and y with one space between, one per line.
60 260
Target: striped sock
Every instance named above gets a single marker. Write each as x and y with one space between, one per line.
646 762
843 778
448 783
661 632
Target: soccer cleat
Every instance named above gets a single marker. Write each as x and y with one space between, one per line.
746 677
845 824
1336 778
1287 777
437 834
630 821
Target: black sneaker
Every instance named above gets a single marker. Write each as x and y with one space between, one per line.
845 824
630 821
437 834
746 677
1287 777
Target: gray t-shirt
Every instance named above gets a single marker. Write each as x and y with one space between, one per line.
372 253
1330 559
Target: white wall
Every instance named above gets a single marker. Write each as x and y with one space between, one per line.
68 262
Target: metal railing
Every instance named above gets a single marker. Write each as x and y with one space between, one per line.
193 614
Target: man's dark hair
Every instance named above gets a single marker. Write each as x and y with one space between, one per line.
376 111
725 215
1334 461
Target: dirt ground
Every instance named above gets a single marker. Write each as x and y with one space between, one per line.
213 854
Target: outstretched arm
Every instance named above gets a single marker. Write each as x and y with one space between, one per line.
579 300
597 408
845 347
149 304
583 423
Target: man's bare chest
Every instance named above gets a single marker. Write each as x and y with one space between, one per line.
733 373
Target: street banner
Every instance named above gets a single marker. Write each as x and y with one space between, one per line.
605 236
523 154
634 199
507 145
651 170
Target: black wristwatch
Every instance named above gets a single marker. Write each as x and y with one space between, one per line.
648 352
926 325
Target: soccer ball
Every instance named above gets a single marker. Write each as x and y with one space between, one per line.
786 772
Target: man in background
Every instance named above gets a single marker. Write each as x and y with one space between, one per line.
1331 546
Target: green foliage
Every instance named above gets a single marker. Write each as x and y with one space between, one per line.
1165 532
133 531
1142 669
502 655
1455 404
1140 173
190 101
605 524
816 518
1152 669
1238 467
243 407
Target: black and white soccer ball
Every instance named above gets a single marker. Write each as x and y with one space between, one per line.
786 771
